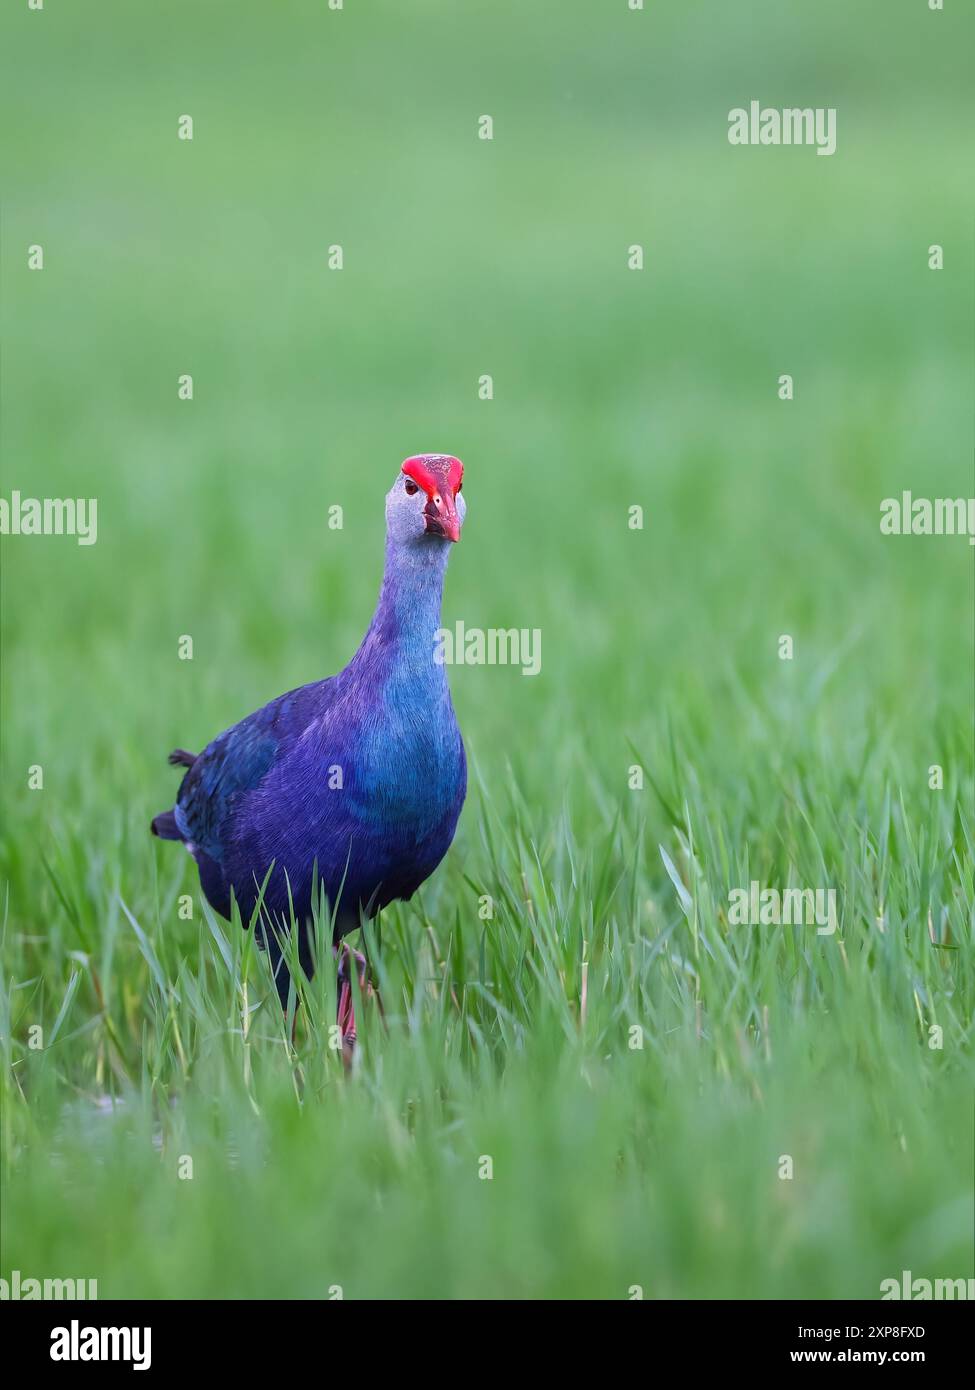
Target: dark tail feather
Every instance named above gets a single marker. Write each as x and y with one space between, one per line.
180 758
165 826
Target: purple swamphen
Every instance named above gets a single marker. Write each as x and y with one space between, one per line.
351 785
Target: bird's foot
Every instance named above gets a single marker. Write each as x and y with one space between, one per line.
346 1009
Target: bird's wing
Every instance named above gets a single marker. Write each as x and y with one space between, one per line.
237 761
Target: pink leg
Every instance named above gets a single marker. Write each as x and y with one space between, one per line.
346 1009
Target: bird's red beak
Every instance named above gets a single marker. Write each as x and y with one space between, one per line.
441 517
440 476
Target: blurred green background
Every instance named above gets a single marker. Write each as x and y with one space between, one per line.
612 388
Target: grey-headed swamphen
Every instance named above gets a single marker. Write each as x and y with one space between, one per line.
351 785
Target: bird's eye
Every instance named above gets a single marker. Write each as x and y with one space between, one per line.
411 487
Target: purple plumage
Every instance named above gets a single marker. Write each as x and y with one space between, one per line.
354 783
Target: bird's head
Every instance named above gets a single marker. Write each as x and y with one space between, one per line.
425 500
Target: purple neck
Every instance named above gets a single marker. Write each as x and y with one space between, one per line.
400 641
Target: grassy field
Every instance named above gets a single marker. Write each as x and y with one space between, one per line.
635 1066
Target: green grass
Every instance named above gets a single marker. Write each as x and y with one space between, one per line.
510 1038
